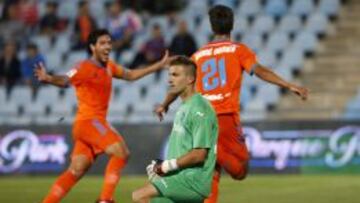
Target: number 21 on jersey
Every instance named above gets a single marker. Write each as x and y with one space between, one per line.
210 67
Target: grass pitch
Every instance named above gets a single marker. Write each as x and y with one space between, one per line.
255 189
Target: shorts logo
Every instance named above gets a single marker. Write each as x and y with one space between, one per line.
99 127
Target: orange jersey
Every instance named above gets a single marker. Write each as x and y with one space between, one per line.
220 67
93 85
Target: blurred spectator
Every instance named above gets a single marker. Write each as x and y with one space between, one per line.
50 23
9 67
11 28
183 42
84 24
153 49
29 13
28 64
122 26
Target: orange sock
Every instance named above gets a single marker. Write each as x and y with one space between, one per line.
112 177
61 187
214 187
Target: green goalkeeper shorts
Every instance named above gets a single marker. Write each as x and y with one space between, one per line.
171 190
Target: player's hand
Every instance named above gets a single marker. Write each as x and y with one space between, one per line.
157 167
40 73
160 111
166 59
301 91
163 167
150 171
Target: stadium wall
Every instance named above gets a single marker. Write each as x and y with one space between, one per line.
275 147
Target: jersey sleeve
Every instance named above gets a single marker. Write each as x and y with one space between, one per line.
77 74
117 70
202 128
247 58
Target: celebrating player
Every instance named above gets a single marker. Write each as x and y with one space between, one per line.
190 160
221 64
92 134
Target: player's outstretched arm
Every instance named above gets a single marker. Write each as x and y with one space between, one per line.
267 75
192 158
43 76
138 73
161 109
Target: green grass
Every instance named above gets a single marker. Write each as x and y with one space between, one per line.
255 189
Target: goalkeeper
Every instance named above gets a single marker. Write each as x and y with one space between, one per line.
186 174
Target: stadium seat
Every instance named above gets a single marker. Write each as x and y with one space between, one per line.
253 40
3 96
255 110
302 7
250 8
42 42
267 57
278 42
241 25
329 7
68 9
268 93
317 23
62 44
305 41
290 24
53 61
263 25
228 3
292 58
245 96
276 8
21 95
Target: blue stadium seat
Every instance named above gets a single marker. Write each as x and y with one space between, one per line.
267 57
250 8
290 24
253 40
276 8
241 25
305 41
302 7
268 93
293 58
329 7
278 42
317 23
263 24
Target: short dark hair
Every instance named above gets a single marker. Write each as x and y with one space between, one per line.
94 36
186 62
221 19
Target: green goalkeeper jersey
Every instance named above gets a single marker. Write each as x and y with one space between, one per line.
195 126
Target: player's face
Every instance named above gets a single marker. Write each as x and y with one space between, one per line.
178 79
102 48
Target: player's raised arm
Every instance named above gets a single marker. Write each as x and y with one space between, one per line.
268 75
43 76
131 75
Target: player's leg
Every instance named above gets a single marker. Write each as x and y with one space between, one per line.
144 194
81 160
106 139
232 151
214 186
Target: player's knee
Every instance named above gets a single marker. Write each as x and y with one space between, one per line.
78 169
241 175
137 196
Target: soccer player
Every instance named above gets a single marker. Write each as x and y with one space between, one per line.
191 155
221 64
92 134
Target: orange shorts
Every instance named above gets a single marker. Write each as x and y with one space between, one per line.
231 141
92 137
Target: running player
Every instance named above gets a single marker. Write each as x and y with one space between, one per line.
191 158
92 134
221 64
